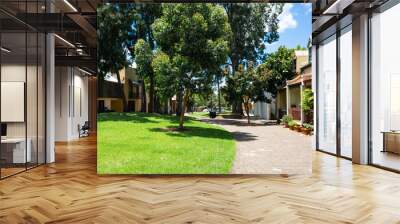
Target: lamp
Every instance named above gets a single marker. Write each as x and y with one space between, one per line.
5 50
70 5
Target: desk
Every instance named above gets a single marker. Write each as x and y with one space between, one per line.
391 141
16 153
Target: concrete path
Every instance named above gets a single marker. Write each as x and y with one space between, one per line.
264 148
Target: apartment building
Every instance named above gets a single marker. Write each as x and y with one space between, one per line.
109 98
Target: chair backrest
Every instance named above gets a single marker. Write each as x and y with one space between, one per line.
86 125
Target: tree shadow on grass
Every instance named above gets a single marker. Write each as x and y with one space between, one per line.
140 117
195 132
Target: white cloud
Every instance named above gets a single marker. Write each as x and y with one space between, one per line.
307 7
286 18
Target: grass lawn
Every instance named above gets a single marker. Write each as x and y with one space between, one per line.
137 143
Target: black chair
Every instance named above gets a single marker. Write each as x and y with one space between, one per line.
84 130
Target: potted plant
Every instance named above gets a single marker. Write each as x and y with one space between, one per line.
286 119
307 129
291 124
297 127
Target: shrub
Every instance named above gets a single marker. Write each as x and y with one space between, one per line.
307 101
292 123
308 126
286 119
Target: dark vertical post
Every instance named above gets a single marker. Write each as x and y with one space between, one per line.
369 97
25 89
37 88
316 125
45 89
338 74
0 89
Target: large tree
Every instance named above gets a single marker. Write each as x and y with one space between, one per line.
147 14
253 27
143 59
279 67
194 42
114 27
250 86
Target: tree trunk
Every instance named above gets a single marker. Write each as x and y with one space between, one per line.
277 115
178 108
236 103
166 106
184 104
237 107
143 110
122 93
247 107
151 95
170 109
219 97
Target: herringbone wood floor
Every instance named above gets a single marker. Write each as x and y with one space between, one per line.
69 191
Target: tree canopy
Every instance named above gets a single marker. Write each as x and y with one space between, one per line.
114 27
193 39
253 26
250 86
278 67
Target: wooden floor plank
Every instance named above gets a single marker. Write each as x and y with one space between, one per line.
70 191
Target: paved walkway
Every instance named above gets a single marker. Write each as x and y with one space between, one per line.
267 148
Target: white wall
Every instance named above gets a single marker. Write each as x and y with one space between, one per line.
264 110
71 102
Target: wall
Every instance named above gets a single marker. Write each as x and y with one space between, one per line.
71 102
295 95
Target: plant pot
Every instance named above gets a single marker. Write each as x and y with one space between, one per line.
286 125
306 131
297 128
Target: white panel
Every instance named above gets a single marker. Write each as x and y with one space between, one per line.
12 101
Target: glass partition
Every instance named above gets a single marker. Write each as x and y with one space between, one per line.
327 95
385 89
14 144
346 92
22 100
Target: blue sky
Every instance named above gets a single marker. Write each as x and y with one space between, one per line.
294 26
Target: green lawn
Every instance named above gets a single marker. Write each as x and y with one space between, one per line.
137 143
